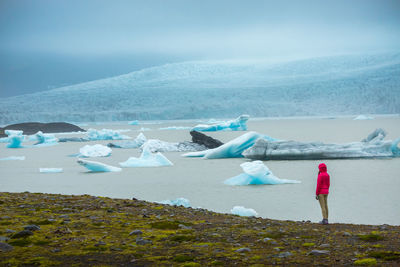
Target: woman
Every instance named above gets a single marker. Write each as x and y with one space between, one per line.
322 191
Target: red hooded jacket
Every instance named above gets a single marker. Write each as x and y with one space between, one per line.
323 181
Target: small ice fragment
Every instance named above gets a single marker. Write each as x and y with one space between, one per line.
50 170
45 139
175 128
135 122
138 142
363 117
15 138
177 202
14 158
242 211
96 150
238 124
98 166
106 134
147 159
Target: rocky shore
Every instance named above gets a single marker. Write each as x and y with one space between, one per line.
63 230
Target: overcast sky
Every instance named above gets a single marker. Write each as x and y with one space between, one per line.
202 29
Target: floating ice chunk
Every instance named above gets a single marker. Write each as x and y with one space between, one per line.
256 173
238 124
15 138
177 202
96 150
175 128
147 159
14 158
106 134
95 166
155 145
4 140
135 122
242 211
232 149
370 147
50 170
138 142
363 117
45 139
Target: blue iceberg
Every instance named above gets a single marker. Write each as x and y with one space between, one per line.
50 170
238 124
15 138
177 202
232 149
256 173
138 142
147 159
14 158
155 145
242 211
135 122
45 139
95 166
106 134
97 150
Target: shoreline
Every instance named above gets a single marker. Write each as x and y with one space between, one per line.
89 230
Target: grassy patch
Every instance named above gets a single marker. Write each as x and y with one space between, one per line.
20 242
168 225
365 262
42 222
373 236
308 244
181 238
183 258
385 255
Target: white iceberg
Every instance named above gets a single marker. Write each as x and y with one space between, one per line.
135 122
50 170
45 139
175 128
371 147
138 142
242 211
177 202
95 151
155 145
106 134
232 149
15 138
363 117
95 166
14 158
256 173
238 124
147 159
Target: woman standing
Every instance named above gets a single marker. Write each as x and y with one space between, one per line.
322 191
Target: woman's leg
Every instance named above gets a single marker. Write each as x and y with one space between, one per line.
326 206
321 200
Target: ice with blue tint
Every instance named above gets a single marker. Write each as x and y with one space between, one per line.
363 117
242 211
50 170
147 159
45 139
4 140
14 158
138 142
256 173
155 145
96 150
231 149
175 128
135 122
95 166
15 138
176 202
105 134
238 124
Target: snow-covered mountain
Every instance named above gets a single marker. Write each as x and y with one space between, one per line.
339 85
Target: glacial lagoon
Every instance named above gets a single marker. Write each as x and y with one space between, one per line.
363 191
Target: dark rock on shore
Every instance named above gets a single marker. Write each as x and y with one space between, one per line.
34 127
205 140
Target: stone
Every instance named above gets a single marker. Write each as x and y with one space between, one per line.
182 226
284 254
317 252
136 232
324 246
141 241
205 140
4 247
3 238
346 234
100 243
242 250
9 231
32 227
21 234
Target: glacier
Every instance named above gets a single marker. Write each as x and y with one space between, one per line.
242 211
175 128
15 138
239 124
363 117
136 143
96 150
50 170
13 158
232 149
155 145
176 202
95 166
323 86
105 134
45 139
147 159
256 173
374 146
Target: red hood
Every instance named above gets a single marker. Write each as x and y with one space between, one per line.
322 167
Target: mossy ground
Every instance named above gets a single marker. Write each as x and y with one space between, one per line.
96 231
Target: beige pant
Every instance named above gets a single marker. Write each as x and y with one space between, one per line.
323 202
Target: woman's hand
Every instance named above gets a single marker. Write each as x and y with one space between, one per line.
317 197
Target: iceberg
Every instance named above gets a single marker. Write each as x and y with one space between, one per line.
138 142
238 124
14 158
147 159
256 173
232 149
177 202
242 211
97 150
135 122
371 147
95 166
105 134
45 139
15 138
175 128
50 170
155 145
363 117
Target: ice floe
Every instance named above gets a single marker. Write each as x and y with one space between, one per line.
106 134
95 166
15 138
232 149
242 211
176 202
45 139
138 142
175 128
256 173
238 124
147 159
155 145
13 158
50 170
96 150
370 147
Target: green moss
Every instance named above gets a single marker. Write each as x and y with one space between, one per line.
217 263
42 222
365 262
183 258
181 238
41 242
308 244
5 223
274 235
373 236
168 224
20 242
385 255
192 264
